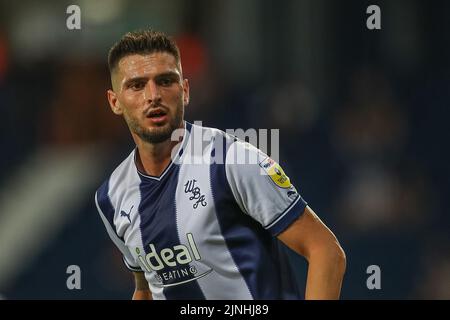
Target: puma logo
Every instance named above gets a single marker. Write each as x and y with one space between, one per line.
124 214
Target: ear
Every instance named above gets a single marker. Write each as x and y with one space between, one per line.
114 102
186 92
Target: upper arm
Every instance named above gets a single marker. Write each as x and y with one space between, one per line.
308 234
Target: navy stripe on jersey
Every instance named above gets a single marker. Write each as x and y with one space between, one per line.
104 202
157 211
251 246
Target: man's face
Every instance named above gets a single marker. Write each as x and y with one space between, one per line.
148 90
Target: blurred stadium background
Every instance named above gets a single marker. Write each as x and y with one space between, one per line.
363 118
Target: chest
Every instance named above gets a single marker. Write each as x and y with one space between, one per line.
172 211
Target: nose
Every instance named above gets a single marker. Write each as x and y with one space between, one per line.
151 92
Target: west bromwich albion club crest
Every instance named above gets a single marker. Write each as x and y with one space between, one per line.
276 173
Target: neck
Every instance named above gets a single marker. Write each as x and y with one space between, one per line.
153 159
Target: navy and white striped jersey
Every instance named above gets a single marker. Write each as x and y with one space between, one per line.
206 228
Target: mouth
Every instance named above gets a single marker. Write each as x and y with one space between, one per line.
157 115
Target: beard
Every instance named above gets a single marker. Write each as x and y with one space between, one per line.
156 134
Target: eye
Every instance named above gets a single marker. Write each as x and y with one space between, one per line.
165 82
137 85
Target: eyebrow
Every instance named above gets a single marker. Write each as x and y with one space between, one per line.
161 75
168 74
135 79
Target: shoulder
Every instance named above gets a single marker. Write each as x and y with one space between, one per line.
208 133
115 183
223 143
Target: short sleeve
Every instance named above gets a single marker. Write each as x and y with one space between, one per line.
261 188
106 210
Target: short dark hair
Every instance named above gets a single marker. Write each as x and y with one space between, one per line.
141 42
